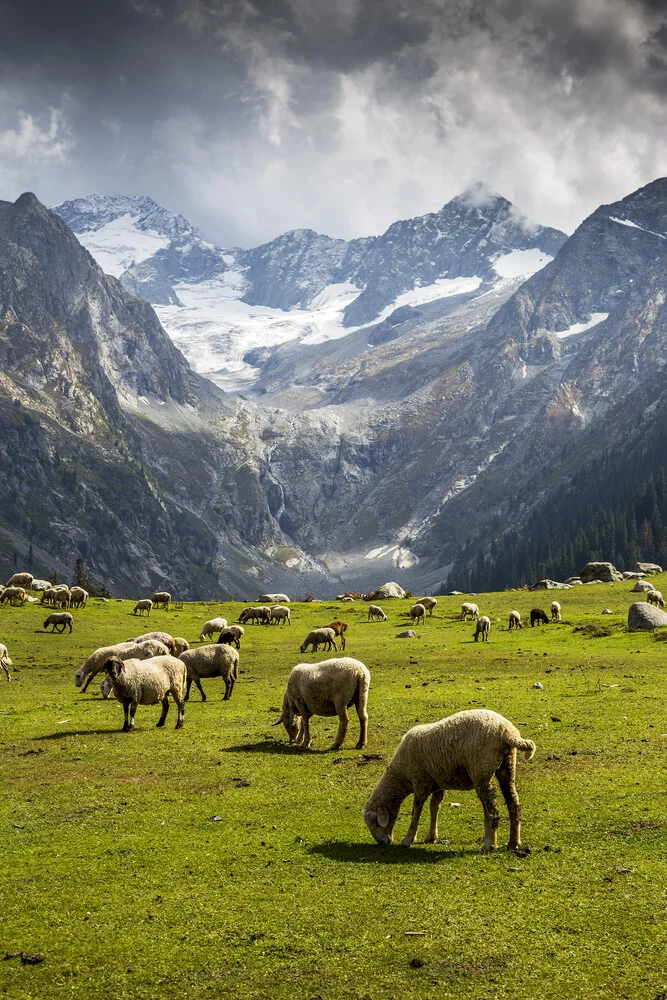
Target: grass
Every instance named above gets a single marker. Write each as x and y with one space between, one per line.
115 869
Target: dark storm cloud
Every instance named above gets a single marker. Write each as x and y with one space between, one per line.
254 117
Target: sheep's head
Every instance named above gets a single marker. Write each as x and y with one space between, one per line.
113 667
80 676
380 818
171 646
291 722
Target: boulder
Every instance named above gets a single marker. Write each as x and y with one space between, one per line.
643 617
641 587
41 584
274 598
629 575
408 634
603 571
455 593
386 591
549 585
573 581
607 611
648 568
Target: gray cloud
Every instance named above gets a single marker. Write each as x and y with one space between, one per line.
255 116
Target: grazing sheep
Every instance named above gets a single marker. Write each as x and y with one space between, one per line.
147 682
555 611
319 637
375 613
340 628
279 613
62 596
461 752
482 627
47 595
125 650
326 688
429 603
163 637
217 660
515 620
467 608
655 597
212 626
161 599
59 621
231 635
78 597
5 661
538 617
255 615
141 606
15 595
417 612
21 580
179 645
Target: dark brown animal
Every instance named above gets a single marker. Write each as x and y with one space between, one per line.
538 617
339 628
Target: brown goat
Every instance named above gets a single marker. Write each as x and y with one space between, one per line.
339 628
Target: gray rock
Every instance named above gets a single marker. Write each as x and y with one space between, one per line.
455 593
648 567
573 581
641 587
602 571
387 590
607 611
643 617
275 598
408 634
538 686
629 575
550 585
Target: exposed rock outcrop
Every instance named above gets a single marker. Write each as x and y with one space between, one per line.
643 617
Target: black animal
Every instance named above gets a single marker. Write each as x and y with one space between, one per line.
538 617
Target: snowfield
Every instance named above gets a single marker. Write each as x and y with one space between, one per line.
120 244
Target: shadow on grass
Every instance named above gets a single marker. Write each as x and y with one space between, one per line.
77 732
380 854
274 746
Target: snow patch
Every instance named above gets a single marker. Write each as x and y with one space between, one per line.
120 244
633 225
399 555
521 262
580 327
441 288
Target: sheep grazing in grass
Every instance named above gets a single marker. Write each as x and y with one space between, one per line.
231 635
179 645
15 595
555 611
417 613
655 597
280 613
482 628
467 608
161 599
143 607
147 682
79 597
125 650
62 596
21 580
5 661
515 620
212 626
375 613
217 660
429 603
59 621
326 688
340 628
538 617
254 615
162 637
462 752
319 637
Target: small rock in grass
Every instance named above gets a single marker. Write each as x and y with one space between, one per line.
408 634
540 687
417 963
216 819
555 718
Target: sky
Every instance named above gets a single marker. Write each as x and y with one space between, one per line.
252 118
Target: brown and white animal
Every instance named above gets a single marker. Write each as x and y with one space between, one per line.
555 611
417 613
59 621
161 599
462 752
655 597
515 620
5 662
340 628
232 635
482 628
538 617
428 602
375 613
15 595
319 637
326 688
280 613
147 682
143 607
216 660
467 608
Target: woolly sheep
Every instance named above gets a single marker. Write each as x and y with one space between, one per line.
62 596
179 645
163 637
14 595
461 752
59 621
538 617
78 597
147 682
655 597
161 598
428 602
5 661
555 611
232 635
376 613
145 605
340 628
21 580
417 612
467 608
217 660
48 595
515 620
482 627
319 637
254 615
212 626
326 688
279 613
125 650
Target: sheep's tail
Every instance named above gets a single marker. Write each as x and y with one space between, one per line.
526 746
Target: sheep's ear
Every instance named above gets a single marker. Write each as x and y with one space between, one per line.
280 720
383 816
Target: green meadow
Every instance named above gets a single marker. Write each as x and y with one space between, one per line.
217 861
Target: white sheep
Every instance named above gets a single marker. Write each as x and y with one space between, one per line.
482 627
212 626
326 688
462 752
375 613
147 682
254 615
163 637
21 580
555 611
161 599
62 596
125 650
14 595
467 608
217 660
179 645
429 603
145 605
232 635
5 661
515 620
417 613
79 597
319 637
655 597
59 621
279 613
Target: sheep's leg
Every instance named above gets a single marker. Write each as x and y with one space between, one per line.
165 709
4 667
176 695
505 775
436 800
198 685
363 727
305 731
126 710
229 687
344 721
419 798
487 796
133 709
